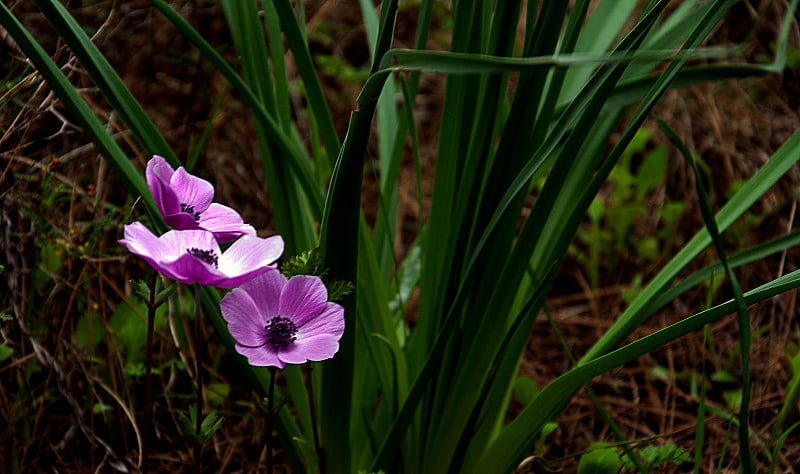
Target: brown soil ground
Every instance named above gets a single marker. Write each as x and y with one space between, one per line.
58 193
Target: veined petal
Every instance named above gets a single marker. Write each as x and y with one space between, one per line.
140 241
180 241
265 292
303 298
159 168
260 356
191 190
191 256
330 320
158 174
249 253
224 222
190 269
316 348
246 321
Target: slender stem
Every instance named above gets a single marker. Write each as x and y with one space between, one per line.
313 407
270 405
148 376
198 370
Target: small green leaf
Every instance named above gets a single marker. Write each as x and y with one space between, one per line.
100 408
653 456
164 294
651 171
130 330
647 247
141 288
305 263
88 331
5 352
600 460
217 392
338 289
723 376
733 398
134 369
659 372
525 390
211 423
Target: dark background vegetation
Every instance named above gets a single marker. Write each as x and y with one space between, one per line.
67 408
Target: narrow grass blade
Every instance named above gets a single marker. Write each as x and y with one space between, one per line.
518 435
107 80
296 39
339 234
292 155
745 455
755 187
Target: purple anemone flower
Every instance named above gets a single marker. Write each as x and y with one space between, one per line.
194 256
185 202
276 321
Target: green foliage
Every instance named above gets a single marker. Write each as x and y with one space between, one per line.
340 69
612 220
5 352
789 409
310 263
525 390
216 393
432 396
210 424
600 459
654 456
50 262
142 289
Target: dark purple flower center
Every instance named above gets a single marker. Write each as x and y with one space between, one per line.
280 332
207 256
189 209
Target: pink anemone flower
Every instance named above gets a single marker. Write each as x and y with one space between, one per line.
185 202
277 321
194 256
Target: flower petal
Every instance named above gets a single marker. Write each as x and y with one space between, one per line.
140 241
184 265
303 298
315 349
330 321
249 253
191 190
224 222
189 269
181 221
159 173
265 292
260 356
245 319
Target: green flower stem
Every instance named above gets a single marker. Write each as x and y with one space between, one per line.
198 369
314 426
270 417
148 377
